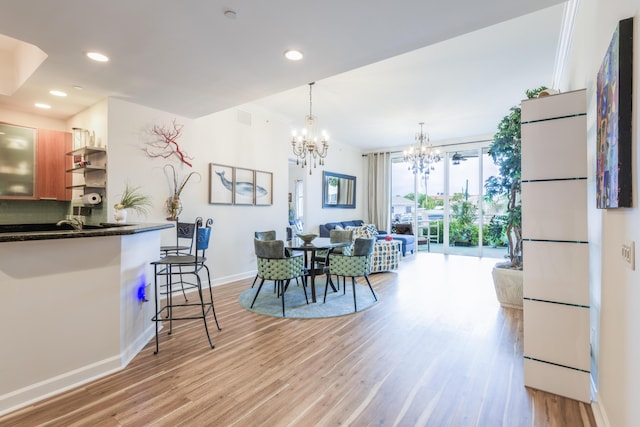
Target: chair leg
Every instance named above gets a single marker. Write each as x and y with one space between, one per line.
326 286
155 293
257 292
304 288
366 277
204 312
255 279
184 294
213 308
170 299
353 285
282 288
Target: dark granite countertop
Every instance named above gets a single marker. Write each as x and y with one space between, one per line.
20 232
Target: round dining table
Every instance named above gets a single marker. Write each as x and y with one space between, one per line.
310 250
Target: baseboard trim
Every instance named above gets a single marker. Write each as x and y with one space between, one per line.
50 387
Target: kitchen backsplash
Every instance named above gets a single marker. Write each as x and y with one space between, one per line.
32 211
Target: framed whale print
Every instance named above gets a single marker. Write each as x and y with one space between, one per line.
243 186
220 184
614 118
264 188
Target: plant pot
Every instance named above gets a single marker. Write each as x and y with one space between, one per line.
120 215
508 285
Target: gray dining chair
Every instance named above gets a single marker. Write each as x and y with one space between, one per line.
274 264
356 264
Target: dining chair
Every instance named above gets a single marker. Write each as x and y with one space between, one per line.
335 236
274 264
186 265
355 264
266 236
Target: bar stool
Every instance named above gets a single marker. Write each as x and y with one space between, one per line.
185 233
184 265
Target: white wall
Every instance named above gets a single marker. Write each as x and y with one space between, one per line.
245 137
615 289
341 159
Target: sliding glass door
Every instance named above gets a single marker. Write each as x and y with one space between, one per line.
448 208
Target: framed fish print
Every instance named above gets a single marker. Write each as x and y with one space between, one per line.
220 184
243 186
264 187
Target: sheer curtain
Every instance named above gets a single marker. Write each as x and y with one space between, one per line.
378 194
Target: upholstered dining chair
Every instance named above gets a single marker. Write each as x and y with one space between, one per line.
274 264
335 236
186 265
263 235
356 264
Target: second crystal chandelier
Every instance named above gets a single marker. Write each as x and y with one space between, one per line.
306 146
421 156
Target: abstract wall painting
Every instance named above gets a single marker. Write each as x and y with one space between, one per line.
614 116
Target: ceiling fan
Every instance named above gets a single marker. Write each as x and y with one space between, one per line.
457 158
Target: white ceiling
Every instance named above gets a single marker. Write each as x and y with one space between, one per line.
380 66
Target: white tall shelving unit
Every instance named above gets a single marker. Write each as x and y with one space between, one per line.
555 250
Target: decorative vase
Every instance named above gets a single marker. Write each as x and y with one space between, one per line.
174 207
120 215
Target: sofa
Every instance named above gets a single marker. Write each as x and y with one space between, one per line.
407 241
386 254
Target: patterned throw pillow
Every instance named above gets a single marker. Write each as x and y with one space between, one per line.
367 231
372 230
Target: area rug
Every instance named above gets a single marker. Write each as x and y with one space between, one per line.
338 304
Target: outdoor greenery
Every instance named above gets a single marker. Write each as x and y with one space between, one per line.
424 201
462 227
506 153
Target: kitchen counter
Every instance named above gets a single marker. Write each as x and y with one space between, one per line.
76 305
24 232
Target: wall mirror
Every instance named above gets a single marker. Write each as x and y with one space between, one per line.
338 190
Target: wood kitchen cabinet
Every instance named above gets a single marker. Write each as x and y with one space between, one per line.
52 181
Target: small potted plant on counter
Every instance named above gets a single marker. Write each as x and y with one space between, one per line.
131 198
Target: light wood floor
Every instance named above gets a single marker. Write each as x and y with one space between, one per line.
437 350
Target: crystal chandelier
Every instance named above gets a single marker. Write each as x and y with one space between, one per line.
421 157
306 146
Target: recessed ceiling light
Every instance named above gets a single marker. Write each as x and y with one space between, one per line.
43 106
293 55
231 14
57 93
96 56
78 87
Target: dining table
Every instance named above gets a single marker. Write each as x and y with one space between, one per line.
310 250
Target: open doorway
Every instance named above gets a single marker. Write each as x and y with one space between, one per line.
296 197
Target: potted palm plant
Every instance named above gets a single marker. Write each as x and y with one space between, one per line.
505 150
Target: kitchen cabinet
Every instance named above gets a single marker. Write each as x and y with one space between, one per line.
52 163
17 162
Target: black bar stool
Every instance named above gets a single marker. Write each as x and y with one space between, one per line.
181 266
